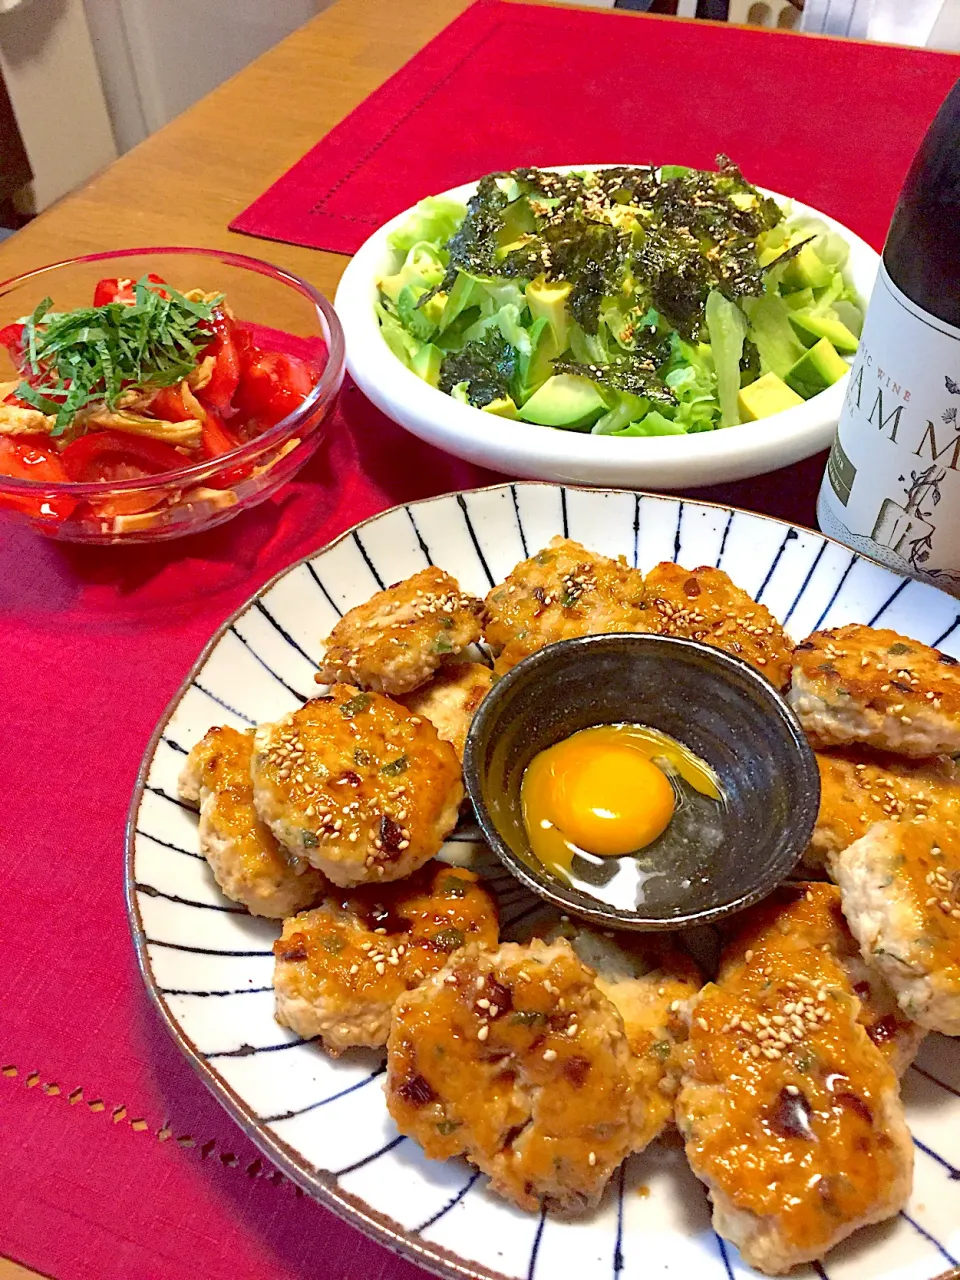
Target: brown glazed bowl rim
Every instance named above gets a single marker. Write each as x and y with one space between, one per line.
568 899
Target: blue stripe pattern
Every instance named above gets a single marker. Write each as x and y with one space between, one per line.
462 504
618 1243
251 1051
836 591
226 705
888 602
790 536
282 631
949 632
360 1164
929 1238
236 991
326 594
949 1088
516 511
420 542
181 804
451 1204
165 845
152 892
723 540
369 563
312 1106
805 583
953 1171
724 1256
301 697
201 951
531 1269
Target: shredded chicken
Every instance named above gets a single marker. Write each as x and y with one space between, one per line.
136 424
202 374
201 295
16 421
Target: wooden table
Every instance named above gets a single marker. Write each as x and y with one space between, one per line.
184 184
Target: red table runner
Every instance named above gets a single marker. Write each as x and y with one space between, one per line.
832 122
117 1163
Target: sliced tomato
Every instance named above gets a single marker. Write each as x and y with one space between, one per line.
31 458
217 438
169 404
272 385
108 456
220 390
117 455
120 289
247 349
11 337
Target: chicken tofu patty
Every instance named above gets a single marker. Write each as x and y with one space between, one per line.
450 700
706 604
790 1113
860 685
247 862
514 1059
858 788
340 967
812 912
900 885
650 982
562 592
356 784
399 638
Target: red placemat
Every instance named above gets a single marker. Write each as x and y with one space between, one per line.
117 1163
832 122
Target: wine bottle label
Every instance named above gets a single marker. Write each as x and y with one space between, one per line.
892 485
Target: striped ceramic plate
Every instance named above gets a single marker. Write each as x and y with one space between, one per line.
208 964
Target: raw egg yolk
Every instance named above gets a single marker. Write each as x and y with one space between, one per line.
605 797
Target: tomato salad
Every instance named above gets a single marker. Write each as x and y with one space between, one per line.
144 382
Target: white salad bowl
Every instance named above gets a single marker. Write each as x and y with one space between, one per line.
549 453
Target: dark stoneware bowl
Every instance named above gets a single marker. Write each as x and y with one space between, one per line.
715 704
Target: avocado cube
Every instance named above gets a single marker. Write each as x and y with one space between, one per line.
537 366
806 269
548 299
456 301
810 328
817 369
426 363
766 396
503 407
433 307
567 401
799 299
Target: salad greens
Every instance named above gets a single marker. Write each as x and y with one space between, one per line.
626 301
94 354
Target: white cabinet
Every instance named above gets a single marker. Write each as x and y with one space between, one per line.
157 57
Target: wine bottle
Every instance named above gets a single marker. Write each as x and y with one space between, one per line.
892 484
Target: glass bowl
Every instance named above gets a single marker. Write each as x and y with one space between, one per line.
286 313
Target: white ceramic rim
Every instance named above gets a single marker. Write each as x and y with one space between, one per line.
535 452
